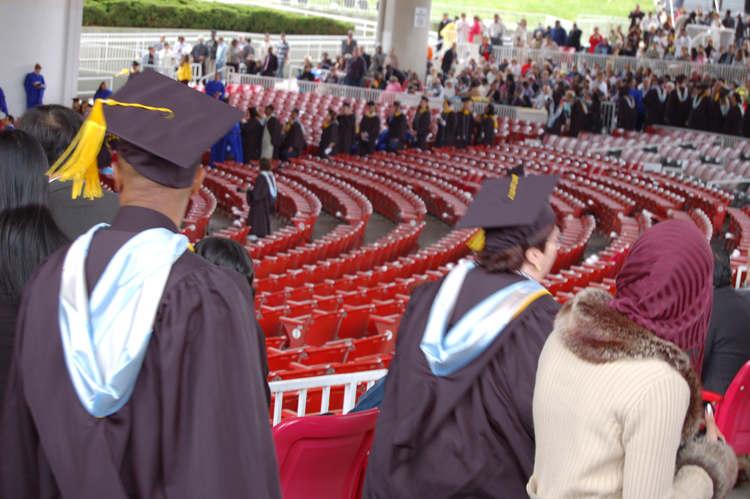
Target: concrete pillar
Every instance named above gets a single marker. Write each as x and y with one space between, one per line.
405 26
47 32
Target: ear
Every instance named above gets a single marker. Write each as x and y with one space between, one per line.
534 256
200 175
117 172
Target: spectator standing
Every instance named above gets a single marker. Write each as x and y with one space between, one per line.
234 56
739 30
521 35
247 51
594 40
150 58
636 16
221 54
185 71
462 30
348 44
574 39
497 32
270 65
445 21
213 45
392 60
378 60
34 86
356 70
159 46
166 56
559 36
102 92
200 54
282 53
449 59
682 41
728 20
475 33
181 48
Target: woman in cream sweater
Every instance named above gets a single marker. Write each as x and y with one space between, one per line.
617 402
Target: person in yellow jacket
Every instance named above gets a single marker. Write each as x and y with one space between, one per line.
185 72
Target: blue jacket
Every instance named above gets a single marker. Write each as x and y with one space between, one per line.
637 96
214 87
559 36
106 94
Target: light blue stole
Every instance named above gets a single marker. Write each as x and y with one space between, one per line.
105 338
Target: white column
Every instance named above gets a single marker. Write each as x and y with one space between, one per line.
398 31
47 32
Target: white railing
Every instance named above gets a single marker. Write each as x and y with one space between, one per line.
488 15
620 64
380 96
741 271
100 79
726 36
226 73
301 386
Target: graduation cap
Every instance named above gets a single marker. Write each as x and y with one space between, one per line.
509 211
517 170
164 126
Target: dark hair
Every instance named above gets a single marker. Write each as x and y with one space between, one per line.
513 258
264 164
227 253
722 267
11 118
54 127
22 169
28 235
100 86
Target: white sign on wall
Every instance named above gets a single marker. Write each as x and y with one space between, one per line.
420 17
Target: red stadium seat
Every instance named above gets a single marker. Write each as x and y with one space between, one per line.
324 457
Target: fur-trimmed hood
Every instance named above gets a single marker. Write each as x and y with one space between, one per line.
598 334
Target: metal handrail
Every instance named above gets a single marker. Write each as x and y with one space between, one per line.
226 74
302 385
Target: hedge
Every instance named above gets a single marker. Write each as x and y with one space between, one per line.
195 14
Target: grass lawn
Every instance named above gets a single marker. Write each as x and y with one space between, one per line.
566 9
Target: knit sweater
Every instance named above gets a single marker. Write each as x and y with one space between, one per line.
611 427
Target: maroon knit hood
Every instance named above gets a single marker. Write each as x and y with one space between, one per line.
666 285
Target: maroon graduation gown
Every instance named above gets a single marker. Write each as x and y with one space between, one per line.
262 207
469 434
197 423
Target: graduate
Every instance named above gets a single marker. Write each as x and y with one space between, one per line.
124 387
447 123
369 129
735 115
252 135
465 125
270 146
626 113
293 144
397 129
557 115
718 110
456 417
328 145
655 101
700 118
230 144
678 104
262 201
347 129
3 105
420 126
578 115
34 86
488 127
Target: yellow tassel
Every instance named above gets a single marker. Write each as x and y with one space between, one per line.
476 243
123 72
78 162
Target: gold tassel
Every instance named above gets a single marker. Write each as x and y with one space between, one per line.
476 243
78 162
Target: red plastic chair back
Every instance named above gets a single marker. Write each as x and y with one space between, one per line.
324 457
733 412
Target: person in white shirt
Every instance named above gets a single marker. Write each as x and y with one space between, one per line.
541 100
682 41
181 48
497 31
599 83
521 36
462 30
514 68
167 56
266 44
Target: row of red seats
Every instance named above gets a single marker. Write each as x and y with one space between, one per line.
200 210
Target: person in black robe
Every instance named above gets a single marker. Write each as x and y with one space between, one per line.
465 125
347 129
369 130
718 111
293 144
557 115
447 125
488 127
578 116
166 426
270 145
700 118
262 201
594 121
733 119
626 113
453 427
678 104
252 135
655 102
420 126
397 129
329 138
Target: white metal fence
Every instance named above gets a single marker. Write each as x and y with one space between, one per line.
299 387
698 32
